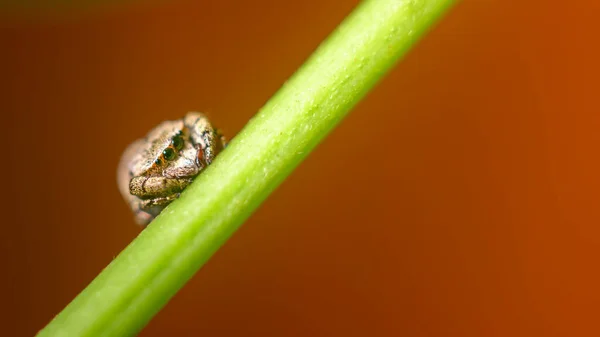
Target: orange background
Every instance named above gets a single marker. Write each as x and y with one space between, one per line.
460 198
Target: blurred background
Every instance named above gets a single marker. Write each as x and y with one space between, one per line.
471 209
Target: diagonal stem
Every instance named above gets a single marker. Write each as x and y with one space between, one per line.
141 280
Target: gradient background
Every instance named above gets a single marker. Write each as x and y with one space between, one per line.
471 209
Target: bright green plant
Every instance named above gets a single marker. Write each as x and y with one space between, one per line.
140 281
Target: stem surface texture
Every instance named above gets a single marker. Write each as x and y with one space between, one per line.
139 282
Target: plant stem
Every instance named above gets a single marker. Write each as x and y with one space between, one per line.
140 281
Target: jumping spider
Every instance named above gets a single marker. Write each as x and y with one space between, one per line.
154 170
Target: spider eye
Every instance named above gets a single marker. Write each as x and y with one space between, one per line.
157 161
177 142
169 153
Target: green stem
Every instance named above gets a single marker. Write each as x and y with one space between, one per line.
140 281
